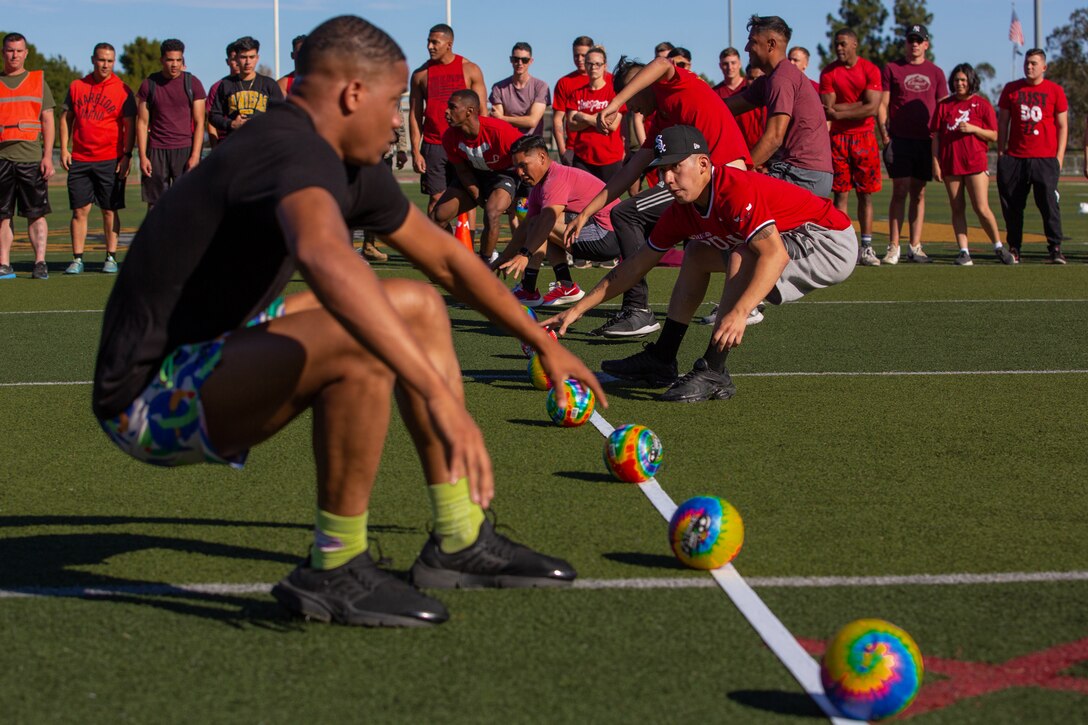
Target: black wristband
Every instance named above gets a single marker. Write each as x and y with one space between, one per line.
524 251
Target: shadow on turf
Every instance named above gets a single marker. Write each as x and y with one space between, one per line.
650 561
777 701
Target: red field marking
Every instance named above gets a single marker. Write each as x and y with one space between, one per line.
974 679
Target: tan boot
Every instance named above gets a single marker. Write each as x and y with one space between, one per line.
371 253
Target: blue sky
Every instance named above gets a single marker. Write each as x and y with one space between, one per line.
963 30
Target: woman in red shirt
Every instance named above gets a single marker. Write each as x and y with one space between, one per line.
598 153
963 127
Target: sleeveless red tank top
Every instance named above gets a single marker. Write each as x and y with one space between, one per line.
442 81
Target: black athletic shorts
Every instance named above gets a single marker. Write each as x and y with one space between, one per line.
97 182
488 182
167 166
439 171
911 157
22 185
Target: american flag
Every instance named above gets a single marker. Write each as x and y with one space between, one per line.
1016 30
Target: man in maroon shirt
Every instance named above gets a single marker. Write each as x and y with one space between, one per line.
1032 129
786 241
430 89
563 97
912 86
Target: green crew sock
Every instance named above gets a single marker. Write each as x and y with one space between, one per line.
337 539
456 518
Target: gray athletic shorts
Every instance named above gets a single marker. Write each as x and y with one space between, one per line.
436 178
818 182
819 258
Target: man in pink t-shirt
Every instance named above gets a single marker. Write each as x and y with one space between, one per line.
1032 130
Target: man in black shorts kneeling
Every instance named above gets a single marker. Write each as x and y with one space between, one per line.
198 364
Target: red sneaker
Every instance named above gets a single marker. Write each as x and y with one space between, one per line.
561 296
529 299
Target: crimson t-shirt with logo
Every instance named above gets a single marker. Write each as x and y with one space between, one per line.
962 153
913 94
742 203
590 145
488 151
849 85
1033 133
99 110
563 97
687 100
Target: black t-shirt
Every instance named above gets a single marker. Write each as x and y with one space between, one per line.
375 201
211 254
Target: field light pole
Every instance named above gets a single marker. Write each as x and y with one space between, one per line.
449 13
730 11
276 33
1038 23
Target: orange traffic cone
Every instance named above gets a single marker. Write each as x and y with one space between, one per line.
463 232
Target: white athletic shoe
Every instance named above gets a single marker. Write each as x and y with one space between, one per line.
868 258
892 255
754 317
916 255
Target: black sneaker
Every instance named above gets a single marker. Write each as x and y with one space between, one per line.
700 384
630 322
1015 252
1056 256
41 271
494 561
642 367
357 593
1005 256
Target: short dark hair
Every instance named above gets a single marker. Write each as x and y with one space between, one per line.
972 77
848 32
443 29
521 45
349 40
247 43
297 41
663 45
598 49
1036 51
679 52
624 66
468 97
728 52
583 40
770 24
170 45
13 38
525 144
102 46
232 47
801 49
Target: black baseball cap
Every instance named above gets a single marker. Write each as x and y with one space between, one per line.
676 143
918 30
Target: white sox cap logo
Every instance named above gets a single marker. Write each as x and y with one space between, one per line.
659 144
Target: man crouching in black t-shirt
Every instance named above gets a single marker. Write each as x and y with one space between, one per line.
199 363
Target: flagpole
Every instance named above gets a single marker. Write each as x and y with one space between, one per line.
1038 23
276 33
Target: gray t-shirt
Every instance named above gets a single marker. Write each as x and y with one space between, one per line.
517 101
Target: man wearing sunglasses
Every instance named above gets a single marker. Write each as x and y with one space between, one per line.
521 100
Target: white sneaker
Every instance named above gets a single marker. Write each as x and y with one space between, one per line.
754 317
916 255
868 258
892 255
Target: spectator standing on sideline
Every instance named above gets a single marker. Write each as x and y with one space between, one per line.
232 67
398 152
662 49
963 127
733 80
170 108
912 86
562 98
800 56
26 163
431 87
100 117
599 153
243 96
795 146
851 92
1032 130
680 57
752 124
521 99
288 80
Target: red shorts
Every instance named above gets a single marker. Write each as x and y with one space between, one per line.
855 160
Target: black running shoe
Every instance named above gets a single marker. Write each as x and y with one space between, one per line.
700 384
1004 255
357 593
1056 256
630 322
494 561
1015 252
642 367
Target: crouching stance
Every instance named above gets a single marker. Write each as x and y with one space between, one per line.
774 240
197 364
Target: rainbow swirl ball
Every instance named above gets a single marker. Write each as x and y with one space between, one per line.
706 532
529 350
633 453
577 411
871 670
537 376
521 207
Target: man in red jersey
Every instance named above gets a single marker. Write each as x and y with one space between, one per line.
912 86
563 97
733 76
100 118
799 56
430 90
478 149
673 96
850 90
788 242
1032 129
